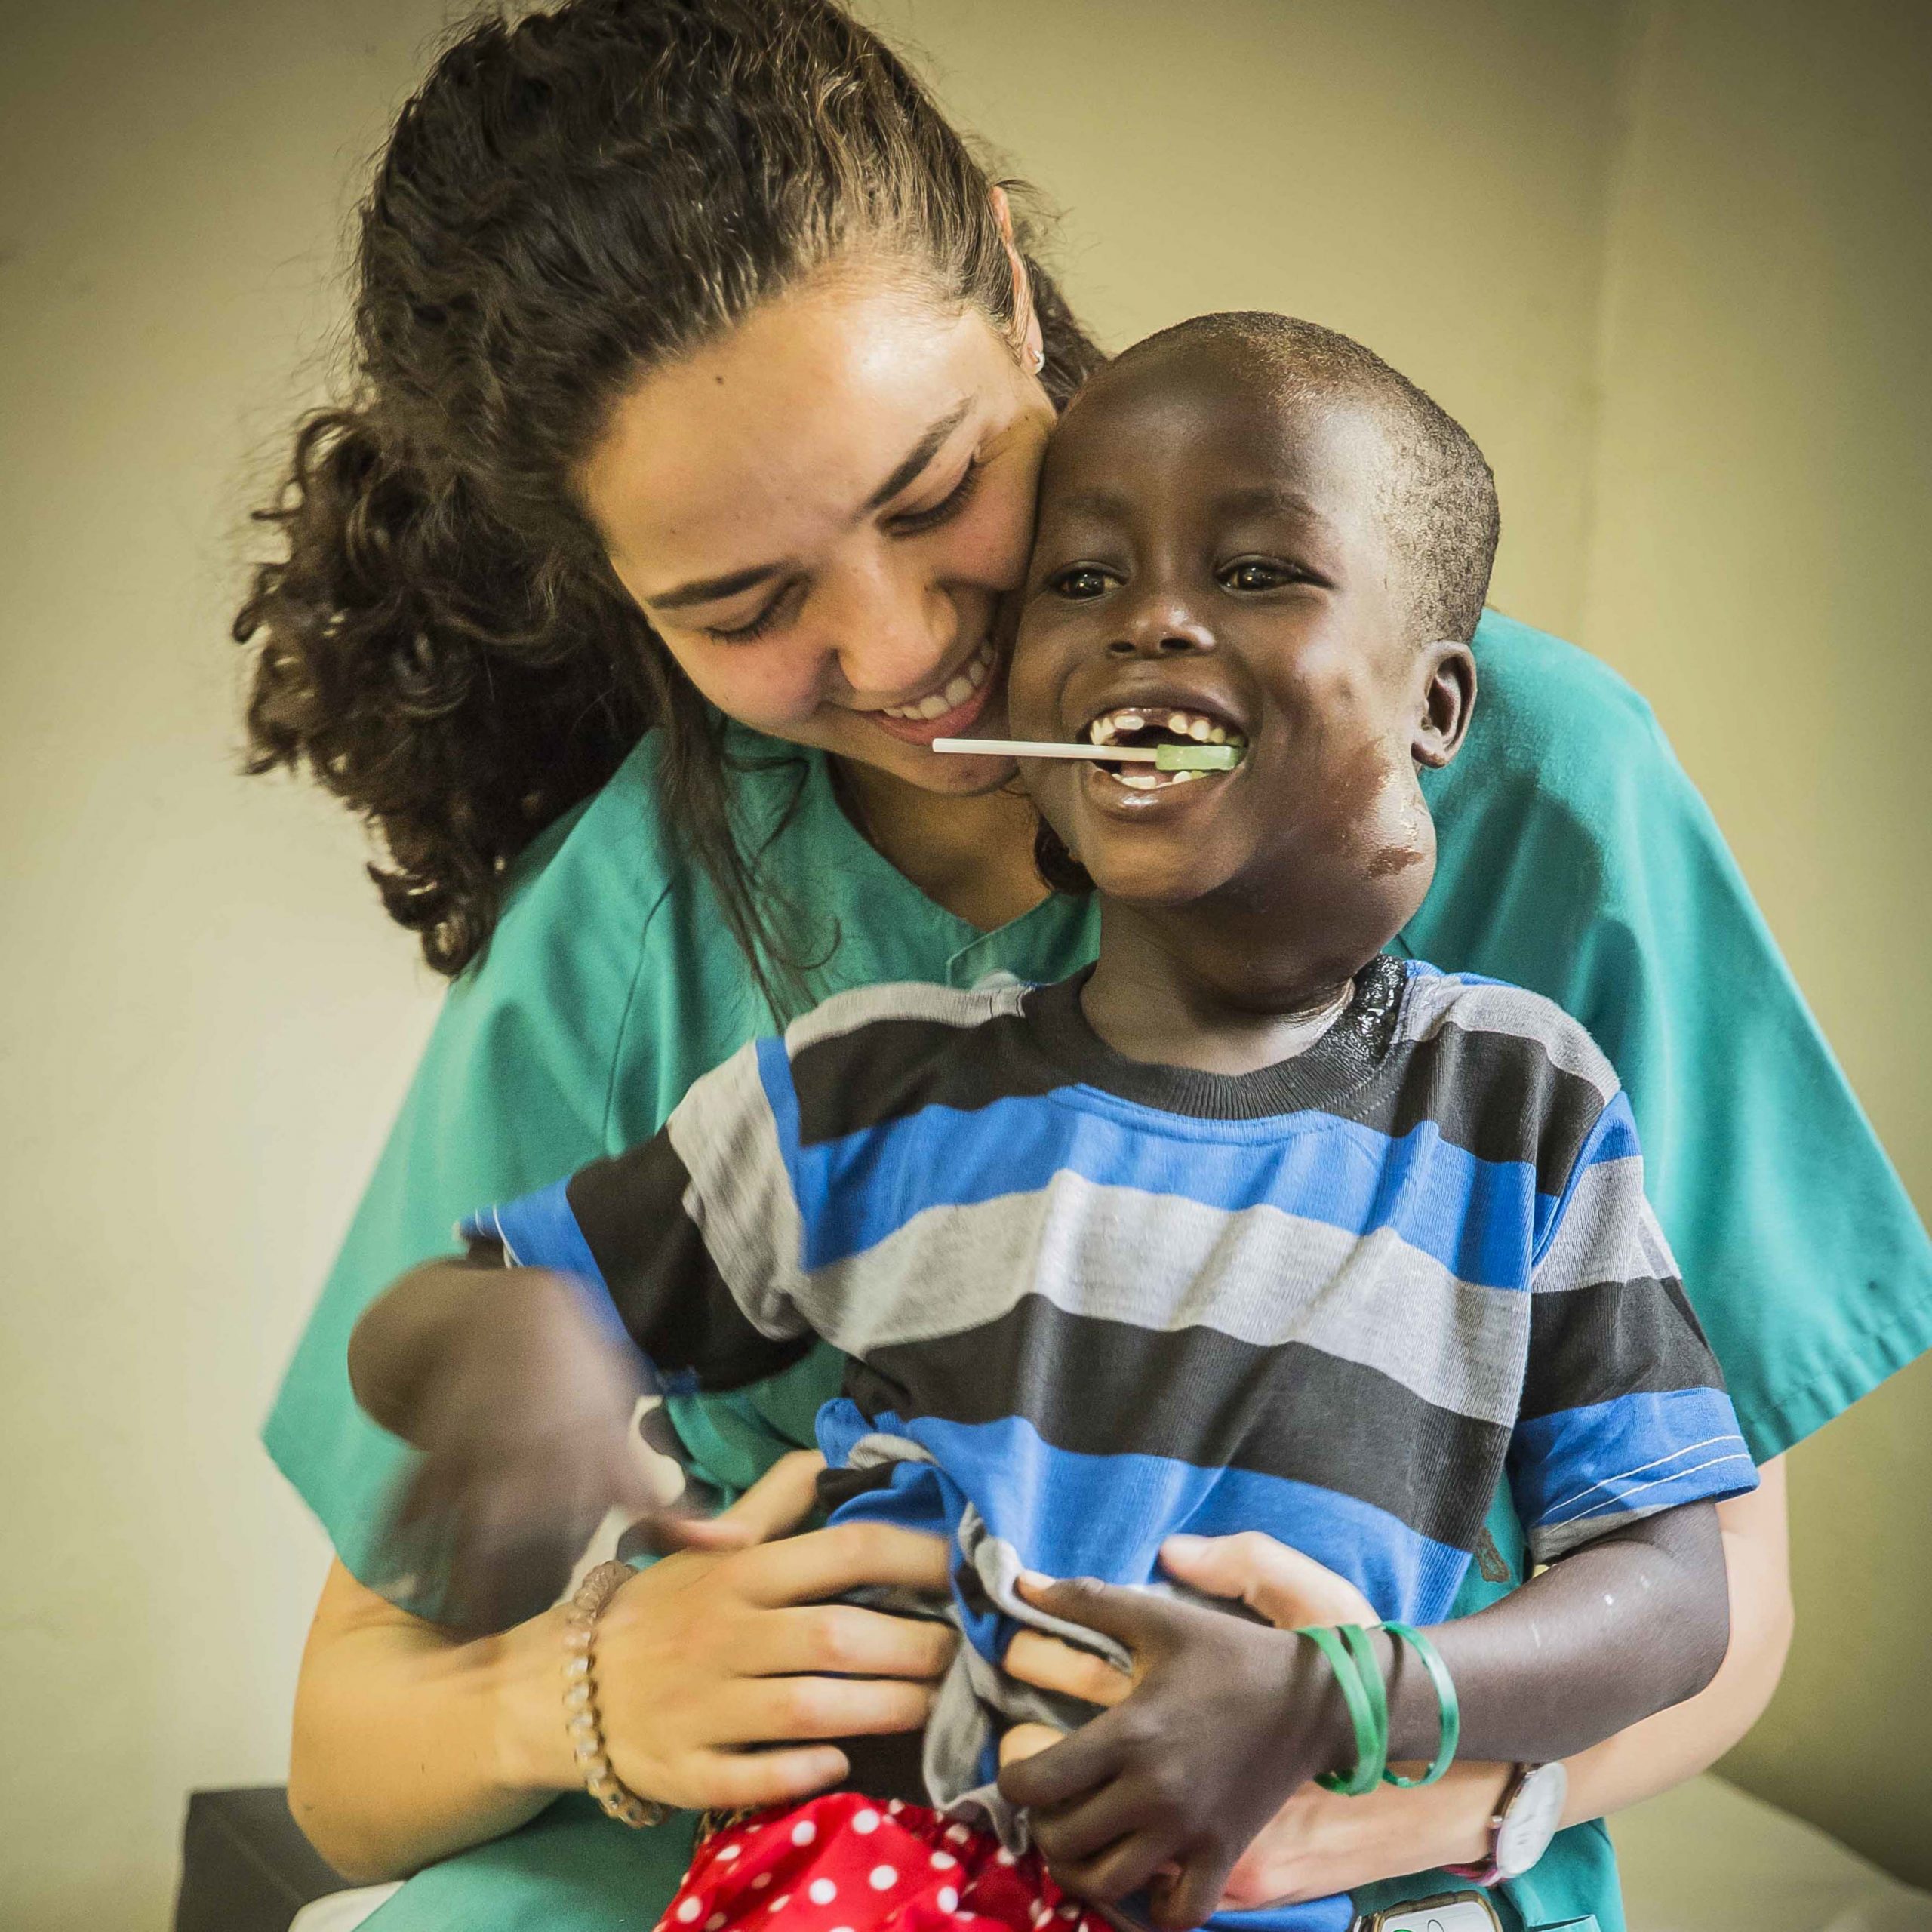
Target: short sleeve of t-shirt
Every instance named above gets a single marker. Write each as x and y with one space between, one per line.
681 1240
1623 1411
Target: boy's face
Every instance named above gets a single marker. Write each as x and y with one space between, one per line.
1208 550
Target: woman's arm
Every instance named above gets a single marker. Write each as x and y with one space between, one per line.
411 1743
1677 1744
1319 1843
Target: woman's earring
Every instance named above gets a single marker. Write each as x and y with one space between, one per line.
1037 357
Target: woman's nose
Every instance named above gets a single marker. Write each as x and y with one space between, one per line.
1160 627
893 633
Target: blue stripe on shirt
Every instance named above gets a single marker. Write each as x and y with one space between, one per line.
1637 1452
540 1230
1475 1217
1073 1515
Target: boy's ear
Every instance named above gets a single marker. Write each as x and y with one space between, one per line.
1448 671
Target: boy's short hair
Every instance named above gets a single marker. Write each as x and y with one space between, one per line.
1439 501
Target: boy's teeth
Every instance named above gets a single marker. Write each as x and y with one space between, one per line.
1112 726
1141 781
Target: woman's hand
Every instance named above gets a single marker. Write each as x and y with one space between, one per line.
412 1743
709 1652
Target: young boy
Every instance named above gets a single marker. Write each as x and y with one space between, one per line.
1255 1225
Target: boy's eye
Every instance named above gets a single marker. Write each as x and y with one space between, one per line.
1081 582
1257 574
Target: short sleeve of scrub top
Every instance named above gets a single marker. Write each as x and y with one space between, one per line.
1575 858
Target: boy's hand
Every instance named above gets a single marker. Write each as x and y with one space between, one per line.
521 1404
1226 1719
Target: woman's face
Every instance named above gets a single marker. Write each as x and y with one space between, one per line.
822 513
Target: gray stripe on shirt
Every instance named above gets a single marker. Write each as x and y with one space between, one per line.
1163 1262
1435 1000
1608 1233
739 1198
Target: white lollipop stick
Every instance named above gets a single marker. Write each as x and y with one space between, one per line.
1163 757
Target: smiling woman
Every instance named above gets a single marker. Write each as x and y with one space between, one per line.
702 379
806 584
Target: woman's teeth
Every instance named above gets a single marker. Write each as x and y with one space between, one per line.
961 687
1119 727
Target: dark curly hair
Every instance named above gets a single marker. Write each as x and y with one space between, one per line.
567 201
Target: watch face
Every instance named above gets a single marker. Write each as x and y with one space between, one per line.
1534 1811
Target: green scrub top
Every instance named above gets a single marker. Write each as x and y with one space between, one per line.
1576 859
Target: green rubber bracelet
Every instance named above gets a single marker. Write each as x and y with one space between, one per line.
1449 1712
1371 1738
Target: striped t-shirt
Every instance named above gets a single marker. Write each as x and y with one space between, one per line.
1088 1301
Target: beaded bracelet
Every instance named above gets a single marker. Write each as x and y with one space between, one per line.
581 1721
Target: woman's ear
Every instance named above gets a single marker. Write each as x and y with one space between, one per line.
1028 340
1447 674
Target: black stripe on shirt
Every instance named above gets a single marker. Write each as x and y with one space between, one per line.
1497 1096
889 1069
667 1289
1101 1387
1590 1345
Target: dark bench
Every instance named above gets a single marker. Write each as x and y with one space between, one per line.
245 1866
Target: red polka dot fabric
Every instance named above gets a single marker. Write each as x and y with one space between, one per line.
846 1864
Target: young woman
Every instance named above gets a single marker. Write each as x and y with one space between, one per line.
702 380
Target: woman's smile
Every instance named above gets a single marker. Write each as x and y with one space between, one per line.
949 707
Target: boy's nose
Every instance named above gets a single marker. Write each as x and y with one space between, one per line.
1160 627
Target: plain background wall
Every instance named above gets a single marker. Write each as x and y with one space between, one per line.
1668 261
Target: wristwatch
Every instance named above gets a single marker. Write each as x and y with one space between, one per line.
1522 1826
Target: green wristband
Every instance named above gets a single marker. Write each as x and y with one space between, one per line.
1449 1713
1371 1731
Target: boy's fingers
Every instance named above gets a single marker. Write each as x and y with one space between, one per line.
1130 1617
1123 1867
1080 1761
1188 1900
1047 1664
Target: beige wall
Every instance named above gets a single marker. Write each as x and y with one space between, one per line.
1759 566
1669 263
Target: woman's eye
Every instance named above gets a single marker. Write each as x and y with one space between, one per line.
767 620
1254 574
910 523
1082 582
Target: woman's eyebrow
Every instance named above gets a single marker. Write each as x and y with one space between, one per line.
707 589
917 457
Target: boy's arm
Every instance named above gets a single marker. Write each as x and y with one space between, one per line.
1229 1718
517 1368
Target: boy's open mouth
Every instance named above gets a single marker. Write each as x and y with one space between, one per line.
1156 725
